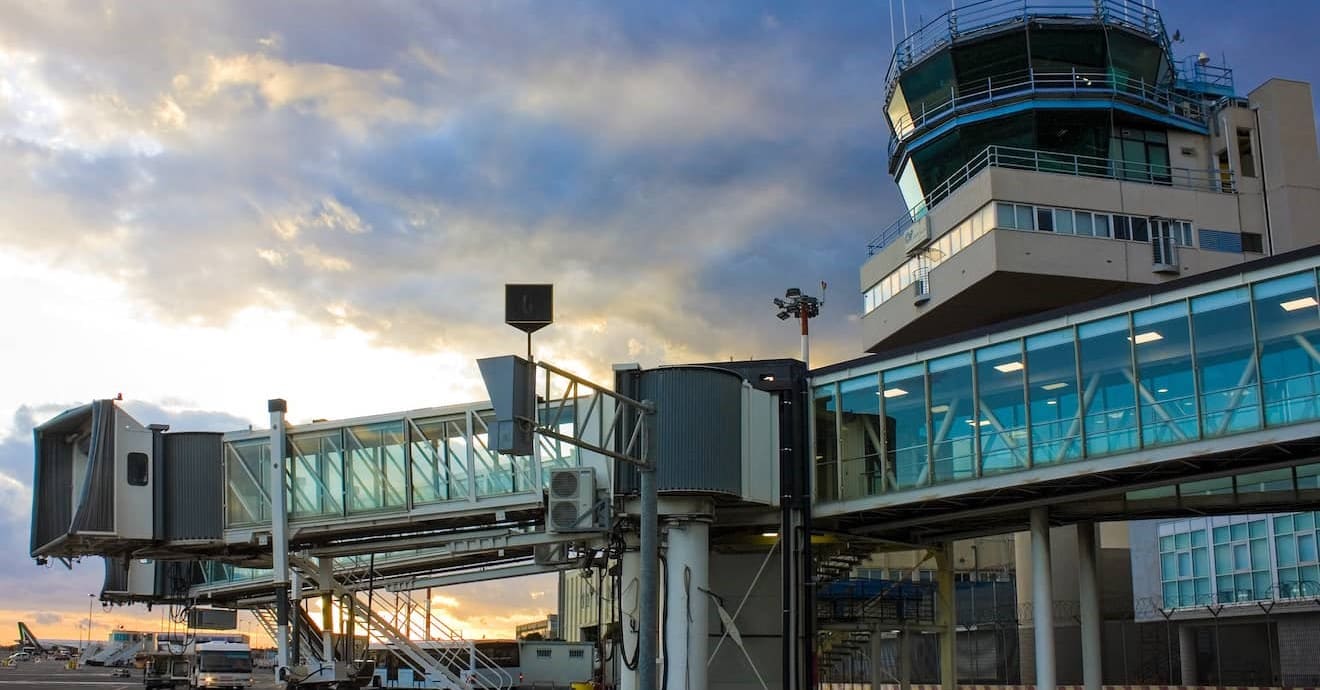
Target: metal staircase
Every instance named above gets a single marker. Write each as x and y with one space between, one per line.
309 641
440 653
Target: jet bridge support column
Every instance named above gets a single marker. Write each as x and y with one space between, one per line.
279 534
1088 587
946 616
1042 598
630 601
687 580
326 580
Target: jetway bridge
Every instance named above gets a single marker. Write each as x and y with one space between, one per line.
1200 396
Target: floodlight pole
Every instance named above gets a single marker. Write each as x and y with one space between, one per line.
806 337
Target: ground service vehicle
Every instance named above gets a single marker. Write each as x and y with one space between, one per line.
165 671
219 664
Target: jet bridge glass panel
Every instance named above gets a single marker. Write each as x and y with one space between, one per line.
388 466
1194 367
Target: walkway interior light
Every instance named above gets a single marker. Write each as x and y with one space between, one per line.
1300 303
894 392
1147 337
939 409
1009 367
1054 386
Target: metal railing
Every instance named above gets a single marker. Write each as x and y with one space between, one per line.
990 14
1063 163
1030 82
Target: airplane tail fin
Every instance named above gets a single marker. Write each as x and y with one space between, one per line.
26 638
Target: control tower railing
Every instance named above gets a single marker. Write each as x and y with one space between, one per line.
1015 85
1035 160
987 15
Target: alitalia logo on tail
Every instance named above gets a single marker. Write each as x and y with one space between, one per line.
27 641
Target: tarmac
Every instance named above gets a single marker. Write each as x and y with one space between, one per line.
47 675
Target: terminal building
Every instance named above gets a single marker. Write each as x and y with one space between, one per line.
1081 447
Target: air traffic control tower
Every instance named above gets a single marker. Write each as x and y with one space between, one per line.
1060 163
1051 153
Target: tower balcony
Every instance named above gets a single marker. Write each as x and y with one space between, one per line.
1047 229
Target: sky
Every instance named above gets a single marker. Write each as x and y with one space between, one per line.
206 205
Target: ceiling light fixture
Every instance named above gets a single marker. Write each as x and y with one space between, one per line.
1147 337
1299 303
1009 367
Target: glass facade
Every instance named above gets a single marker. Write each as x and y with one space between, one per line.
383 467
1239 559
1227 362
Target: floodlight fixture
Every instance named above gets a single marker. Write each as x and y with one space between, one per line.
804 307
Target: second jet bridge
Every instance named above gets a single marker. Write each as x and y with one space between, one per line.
108 485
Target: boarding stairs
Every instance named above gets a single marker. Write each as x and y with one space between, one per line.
310 645
446 660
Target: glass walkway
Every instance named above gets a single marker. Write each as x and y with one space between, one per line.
1205 365
412 464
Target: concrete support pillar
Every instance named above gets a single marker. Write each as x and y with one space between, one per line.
687 611
630 597
1187 654
904 660
1088 590
946 616
1042 598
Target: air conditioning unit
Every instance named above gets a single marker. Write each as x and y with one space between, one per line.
572 501
921 286
1164 255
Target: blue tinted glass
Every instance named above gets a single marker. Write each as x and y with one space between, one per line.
952 417
1283 524
1223 559
1003 414
904 400
859 438
1056 427
1306 548
1107 392
825 408
1166 389
1285 550
1288 328
1221 323
1303 521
